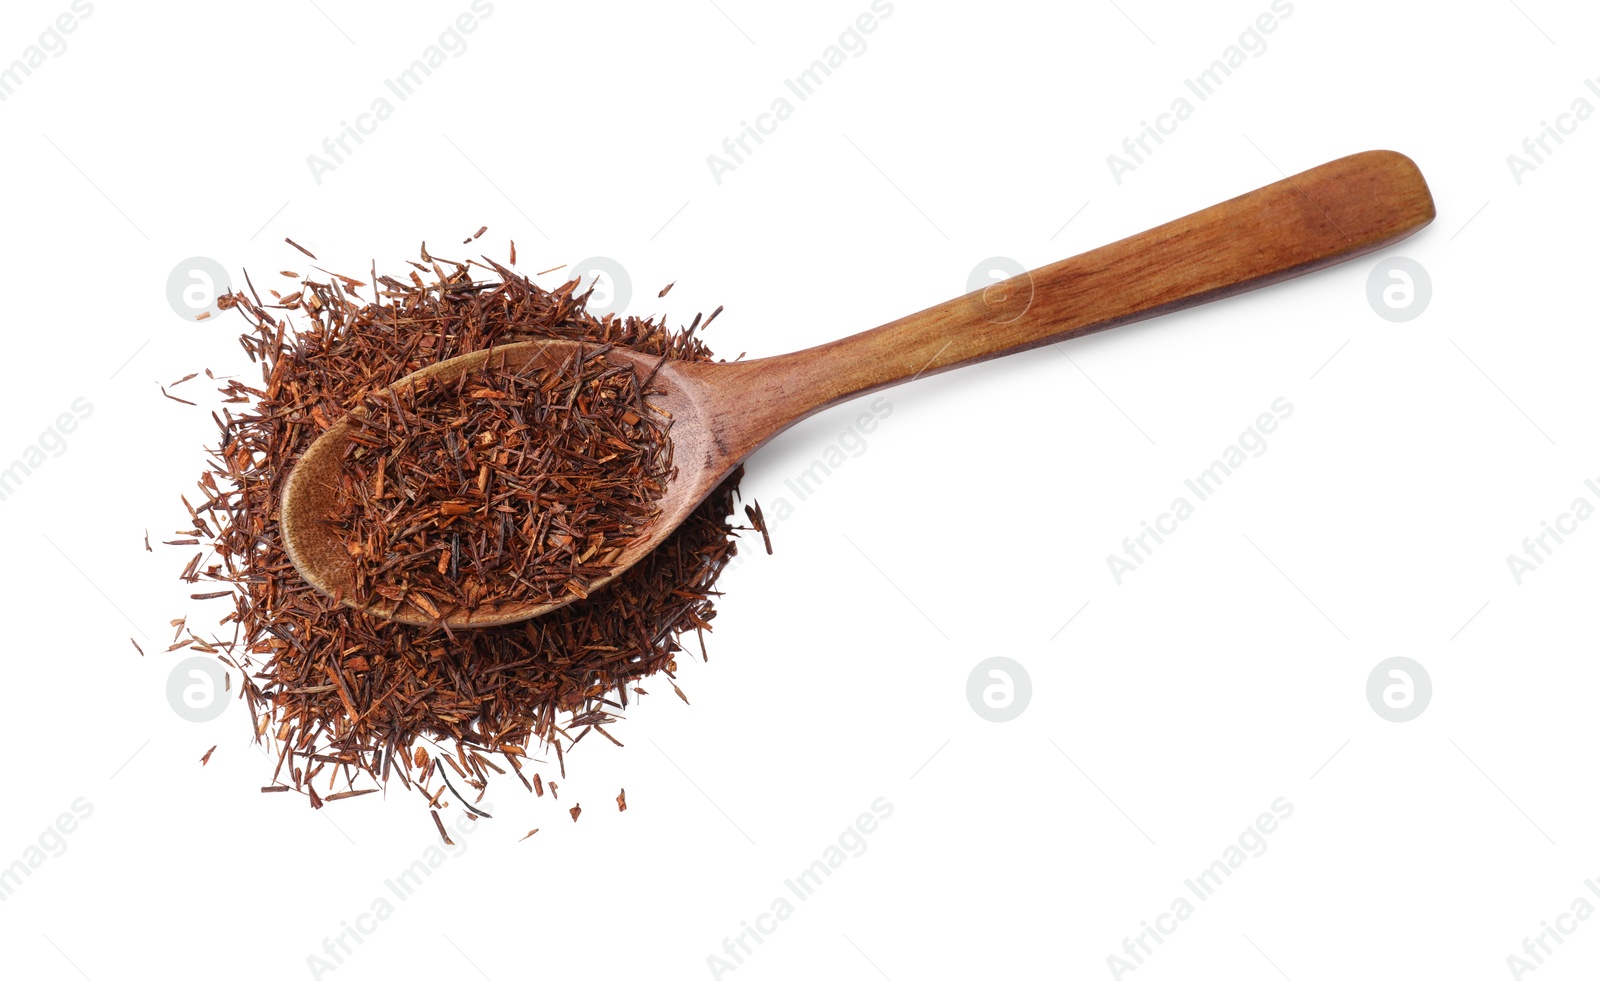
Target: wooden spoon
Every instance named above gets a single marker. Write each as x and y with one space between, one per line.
721 412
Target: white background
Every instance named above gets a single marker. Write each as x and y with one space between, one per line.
1227 672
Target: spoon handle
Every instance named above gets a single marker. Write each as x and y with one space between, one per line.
1328 214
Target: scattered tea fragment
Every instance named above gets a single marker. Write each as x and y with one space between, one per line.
207 758
622 799
530 834
575 810
136 646
758 521
440 825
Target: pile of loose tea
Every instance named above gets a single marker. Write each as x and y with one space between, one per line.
501 485
346 702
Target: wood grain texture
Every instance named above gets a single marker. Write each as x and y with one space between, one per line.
721 412
1338 211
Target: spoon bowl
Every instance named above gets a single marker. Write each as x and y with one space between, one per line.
314 500
719 413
